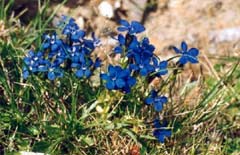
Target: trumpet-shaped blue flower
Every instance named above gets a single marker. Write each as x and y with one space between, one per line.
96 41
54 72
160 67
156 100
84 69
52 42
143 67
133 28
25 72
118 79
70 26
121 40
160 131
35 62
187 55
72 30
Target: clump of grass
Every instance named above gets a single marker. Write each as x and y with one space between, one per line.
72 116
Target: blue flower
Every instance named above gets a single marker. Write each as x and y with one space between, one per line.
118 79
133 28
96 41
187 55
84 69
54 72
121 40
72 30
25 73
35 62
143 67
97 63
160 67
160 131
61 56
156 100
51 42
70 27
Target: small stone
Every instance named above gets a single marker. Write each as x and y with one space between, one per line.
31 153
227 34
80 22
106 9
99 109
117 4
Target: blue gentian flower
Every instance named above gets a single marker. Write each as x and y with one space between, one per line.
33 61
160 131
87 46
187 55
72 30
118 78
160 67
143 67
84 69
25 72
61 56
70 27
96 41
121 41
140 50
141 54
54 72
156 100
97 63
133 28
51 42
77 36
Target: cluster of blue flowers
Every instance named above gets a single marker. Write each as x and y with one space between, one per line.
73 53
58 55
142 61
140 57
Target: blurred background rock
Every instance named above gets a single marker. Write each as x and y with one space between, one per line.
211 25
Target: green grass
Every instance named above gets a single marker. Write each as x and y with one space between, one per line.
63 117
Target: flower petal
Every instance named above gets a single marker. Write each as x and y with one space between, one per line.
183 60
158 106
121 39
110 85
184 46
118 49
51 76
138 27
87 73
121 29
193 52
131 81
149 100
79 73
120 83
104 77
124 23
178 51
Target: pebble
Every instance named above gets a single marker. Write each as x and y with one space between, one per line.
227 34
106 9
31 153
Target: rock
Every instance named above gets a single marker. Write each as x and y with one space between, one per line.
106 9
80 22
31 153
227 34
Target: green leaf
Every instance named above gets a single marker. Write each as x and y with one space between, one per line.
87 140
131 134
53 130
41 146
